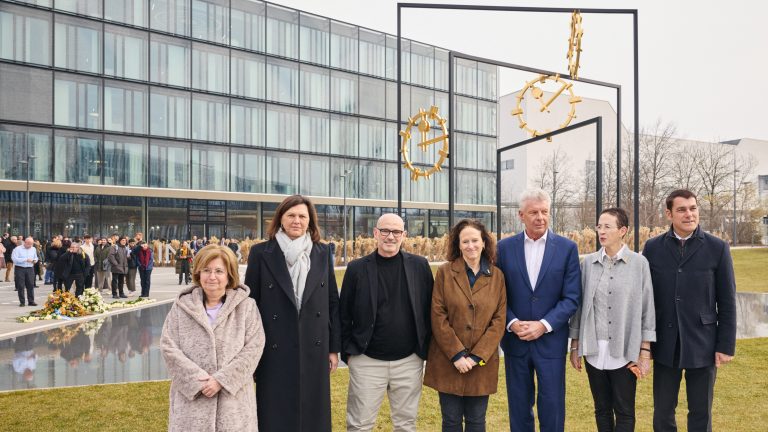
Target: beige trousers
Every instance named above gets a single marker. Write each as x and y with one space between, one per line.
370 379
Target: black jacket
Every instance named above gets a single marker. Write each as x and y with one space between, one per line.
358 297
70 264
293 390
695 298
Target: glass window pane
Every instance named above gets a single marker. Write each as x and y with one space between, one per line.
486 117
15 142
466 114
248 75
466 150
315 131
391 184
486 153
78 101
210 20
315 83
248 123
77 157
486 188
43 3
248 24
169 164
487 81
125 107
372 53
341 167
78 44
282 81
125 161
375 181
170 16
344 46
423 191
210 118
282 173
26 94
169 60
372 139
466 77
393 141
314 42
441 70
125 52
343 135
282 127
132 12
25 35
210 68
315 171
343 92
466 187
422 64
81 7
372 97
248 170
282 31
421 99
169 110
209 167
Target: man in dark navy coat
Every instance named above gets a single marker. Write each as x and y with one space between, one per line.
695 296
543 278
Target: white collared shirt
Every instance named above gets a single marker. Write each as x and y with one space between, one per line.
534 255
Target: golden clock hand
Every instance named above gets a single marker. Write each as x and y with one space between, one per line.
424 144
554 96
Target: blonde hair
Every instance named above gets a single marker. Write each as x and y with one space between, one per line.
211 252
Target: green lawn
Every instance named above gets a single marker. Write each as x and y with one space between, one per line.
739 399
751 268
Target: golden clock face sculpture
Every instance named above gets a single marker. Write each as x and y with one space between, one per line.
424 121
574 45
565 90
551 91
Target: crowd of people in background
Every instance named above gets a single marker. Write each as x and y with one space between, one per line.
110 263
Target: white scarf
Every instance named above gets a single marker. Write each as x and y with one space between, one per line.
297 258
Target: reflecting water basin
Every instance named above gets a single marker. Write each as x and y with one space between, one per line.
126 348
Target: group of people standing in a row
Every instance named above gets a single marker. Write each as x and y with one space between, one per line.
529 294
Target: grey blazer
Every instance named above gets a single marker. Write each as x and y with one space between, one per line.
632 315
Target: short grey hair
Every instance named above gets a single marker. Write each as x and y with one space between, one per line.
536 195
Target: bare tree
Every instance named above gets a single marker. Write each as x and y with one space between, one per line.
656 149
609 178
684 171
554 176
588 191
715 167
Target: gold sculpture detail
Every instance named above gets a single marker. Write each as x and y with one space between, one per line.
538 94
574 45
422 122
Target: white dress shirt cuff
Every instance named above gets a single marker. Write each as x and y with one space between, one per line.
509 324
546 324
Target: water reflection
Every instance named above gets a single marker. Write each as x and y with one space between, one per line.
125 348
120 348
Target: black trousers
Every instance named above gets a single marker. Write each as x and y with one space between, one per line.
78 279
699 385
118 280
89 276
145 276
614 394
470 409
24 278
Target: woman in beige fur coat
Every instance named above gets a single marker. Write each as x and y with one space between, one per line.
212 341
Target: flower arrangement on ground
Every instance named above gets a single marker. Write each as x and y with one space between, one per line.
92 301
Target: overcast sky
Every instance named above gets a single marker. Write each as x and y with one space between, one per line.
703 64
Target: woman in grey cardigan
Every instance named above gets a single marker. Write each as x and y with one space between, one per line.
615 323
212 341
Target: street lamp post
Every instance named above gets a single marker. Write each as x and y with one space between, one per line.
344 218
26 162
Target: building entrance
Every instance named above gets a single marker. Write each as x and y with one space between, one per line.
207 218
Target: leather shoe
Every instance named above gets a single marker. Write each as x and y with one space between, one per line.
21 304
32 304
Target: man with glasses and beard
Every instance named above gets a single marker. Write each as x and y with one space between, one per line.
385 329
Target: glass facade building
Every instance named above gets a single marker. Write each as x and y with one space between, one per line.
191 117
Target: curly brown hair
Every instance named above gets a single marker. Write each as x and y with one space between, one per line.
454 251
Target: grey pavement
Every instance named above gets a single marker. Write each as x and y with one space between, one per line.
165 287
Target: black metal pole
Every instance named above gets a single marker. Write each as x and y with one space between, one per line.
637 138
28 232
618 147
399 118
499 217
451 141
599 173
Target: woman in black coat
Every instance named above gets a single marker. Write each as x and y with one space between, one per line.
291 278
